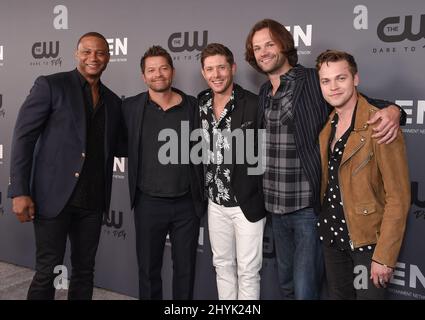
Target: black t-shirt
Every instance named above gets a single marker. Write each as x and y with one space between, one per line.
163 173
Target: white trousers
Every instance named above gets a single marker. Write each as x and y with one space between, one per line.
237 247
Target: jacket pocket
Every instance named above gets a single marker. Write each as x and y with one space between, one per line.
365 209
362 164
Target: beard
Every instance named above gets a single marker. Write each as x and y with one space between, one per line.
277 65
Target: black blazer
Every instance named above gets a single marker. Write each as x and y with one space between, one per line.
247 188
133 112
49 141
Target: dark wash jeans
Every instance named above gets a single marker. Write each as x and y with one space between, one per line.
298 254
83 228
348 275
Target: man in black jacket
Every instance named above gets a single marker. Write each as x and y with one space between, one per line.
165 193
236 214
65 139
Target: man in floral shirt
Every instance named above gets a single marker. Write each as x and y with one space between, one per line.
236 213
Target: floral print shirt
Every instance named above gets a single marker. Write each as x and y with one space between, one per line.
216 135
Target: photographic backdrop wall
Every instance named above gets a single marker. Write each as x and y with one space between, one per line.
386 37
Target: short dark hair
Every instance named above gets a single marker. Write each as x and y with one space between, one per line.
155 51
96 35
335 56
214 49
279 34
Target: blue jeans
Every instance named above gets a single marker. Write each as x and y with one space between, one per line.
298 254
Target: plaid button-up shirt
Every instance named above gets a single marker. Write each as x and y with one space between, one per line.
285 185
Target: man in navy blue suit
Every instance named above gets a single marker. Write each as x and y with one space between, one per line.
64 142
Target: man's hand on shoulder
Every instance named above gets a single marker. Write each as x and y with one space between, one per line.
388 123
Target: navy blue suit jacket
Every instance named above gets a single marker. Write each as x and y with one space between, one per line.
49 142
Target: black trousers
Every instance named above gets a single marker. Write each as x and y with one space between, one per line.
83 228
348 274
154 219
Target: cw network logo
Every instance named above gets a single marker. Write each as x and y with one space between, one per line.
118 49
391 30
191 42
46 53
409 30
179 43
113 222
301 35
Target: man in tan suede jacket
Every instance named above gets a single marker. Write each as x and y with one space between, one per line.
365 188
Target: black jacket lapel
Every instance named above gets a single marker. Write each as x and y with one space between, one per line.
77 105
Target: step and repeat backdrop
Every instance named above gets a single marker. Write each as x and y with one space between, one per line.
386 37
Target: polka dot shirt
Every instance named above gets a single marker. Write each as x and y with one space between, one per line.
332 224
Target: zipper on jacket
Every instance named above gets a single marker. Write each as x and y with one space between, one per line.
363 164
362 139
346 220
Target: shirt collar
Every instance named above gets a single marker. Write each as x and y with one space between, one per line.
229 105
84 82
335 119
182 103
290 75
285 79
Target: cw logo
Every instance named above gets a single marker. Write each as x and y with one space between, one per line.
391 24
39 50
113 219
177 43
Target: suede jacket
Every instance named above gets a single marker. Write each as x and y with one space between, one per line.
374 185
